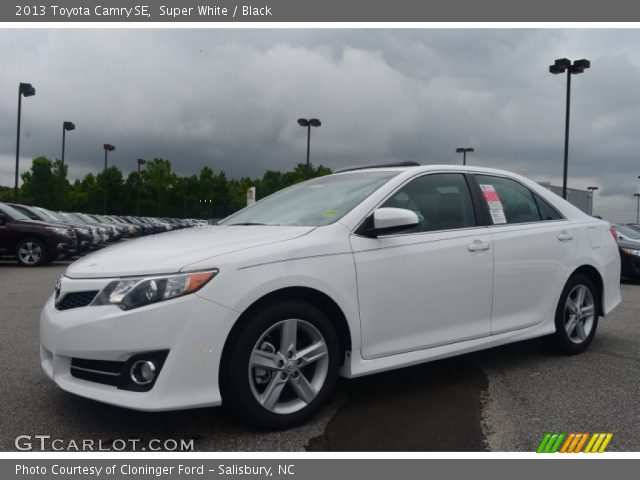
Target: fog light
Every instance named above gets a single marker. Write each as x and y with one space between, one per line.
143 372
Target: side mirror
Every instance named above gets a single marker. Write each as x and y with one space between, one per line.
389 220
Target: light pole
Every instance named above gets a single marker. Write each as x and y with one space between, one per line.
107 148
308 123
140 161
184 180
464 151
560 66
637 195
66 127
593 189
27 90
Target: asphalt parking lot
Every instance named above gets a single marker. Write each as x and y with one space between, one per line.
502 399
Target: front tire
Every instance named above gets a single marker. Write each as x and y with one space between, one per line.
31 252
282 367
576 315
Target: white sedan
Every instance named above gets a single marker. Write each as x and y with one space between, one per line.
354 273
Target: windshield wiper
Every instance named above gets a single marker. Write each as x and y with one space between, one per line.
245 224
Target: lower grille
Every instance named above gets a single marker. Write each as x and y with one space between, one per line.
76 300
117 374
100 371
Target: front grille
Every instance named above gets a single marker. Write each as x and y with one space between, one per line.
76 300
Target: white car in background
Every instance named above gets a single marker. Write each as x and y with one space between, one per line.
354 273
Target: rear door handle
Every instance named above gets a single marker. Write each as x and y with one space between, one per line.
478 246
565 237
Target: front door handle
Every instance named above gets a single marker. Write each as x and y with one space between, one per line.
478 246
565 237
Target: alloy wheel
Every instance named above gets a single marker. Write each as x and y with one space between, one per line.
30 253
579 313
288 366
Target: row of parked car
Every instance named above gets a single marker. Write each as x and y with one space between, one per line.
628 237
35 235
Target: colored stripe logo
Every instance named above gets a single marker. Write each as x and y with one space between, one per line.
574 442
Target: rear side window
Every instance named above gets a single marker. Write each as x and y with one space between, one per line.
547 212
442 202
508 201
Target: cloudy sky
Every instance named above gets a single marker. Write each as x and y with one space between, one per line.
229 98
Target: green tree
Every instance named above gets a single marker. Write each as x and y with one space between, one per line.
158 179
44 183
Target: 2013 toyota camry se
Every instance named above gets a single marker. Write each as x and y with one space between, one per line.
365 270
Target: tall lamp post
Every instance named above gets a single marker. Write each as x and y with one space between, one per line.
308 123
560 66
141 161
592 189
107 148
27 90
185 180
66 127
464 151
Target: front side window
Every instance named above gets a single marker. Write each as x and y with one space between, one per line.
508 201
442 201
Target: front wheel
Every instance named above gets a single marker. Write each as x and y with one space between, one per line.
31 252
282 367
576 315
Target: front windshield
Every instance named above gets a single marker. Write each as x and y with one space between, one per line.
75 218
13 213
317 202
628 232
47 214
59 216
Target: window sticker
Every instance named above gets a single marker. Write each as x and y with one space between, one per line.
495 205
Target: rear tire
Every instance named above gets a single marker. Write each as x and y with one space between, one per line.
282 366
31 252
576 315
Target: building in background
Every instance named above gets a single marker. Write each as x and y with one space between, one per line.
583 199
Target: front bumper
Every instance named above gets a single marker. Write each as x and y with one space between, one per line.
191 328
58 245
630 265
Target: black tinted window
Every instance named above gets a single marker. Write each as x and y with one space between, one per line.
508 201
442 202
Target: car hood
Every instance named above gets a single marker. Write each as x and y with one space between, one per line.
43 223
171 252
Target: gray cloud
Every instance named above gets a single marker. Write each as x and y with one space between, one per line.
229 98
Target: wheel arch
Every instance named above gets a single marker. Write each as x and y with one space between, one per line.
314 297
594 275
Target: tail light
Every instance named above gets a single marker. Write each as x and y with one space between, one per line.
614 232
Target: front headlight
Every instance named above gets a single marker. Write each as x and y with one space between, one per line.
84 231
631 251
57 230
130 293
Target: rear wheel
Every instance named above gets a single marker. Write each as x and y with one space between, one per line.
576 315
283 366
31 252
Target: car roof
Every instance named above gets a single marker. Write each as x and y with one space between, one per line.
427 168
